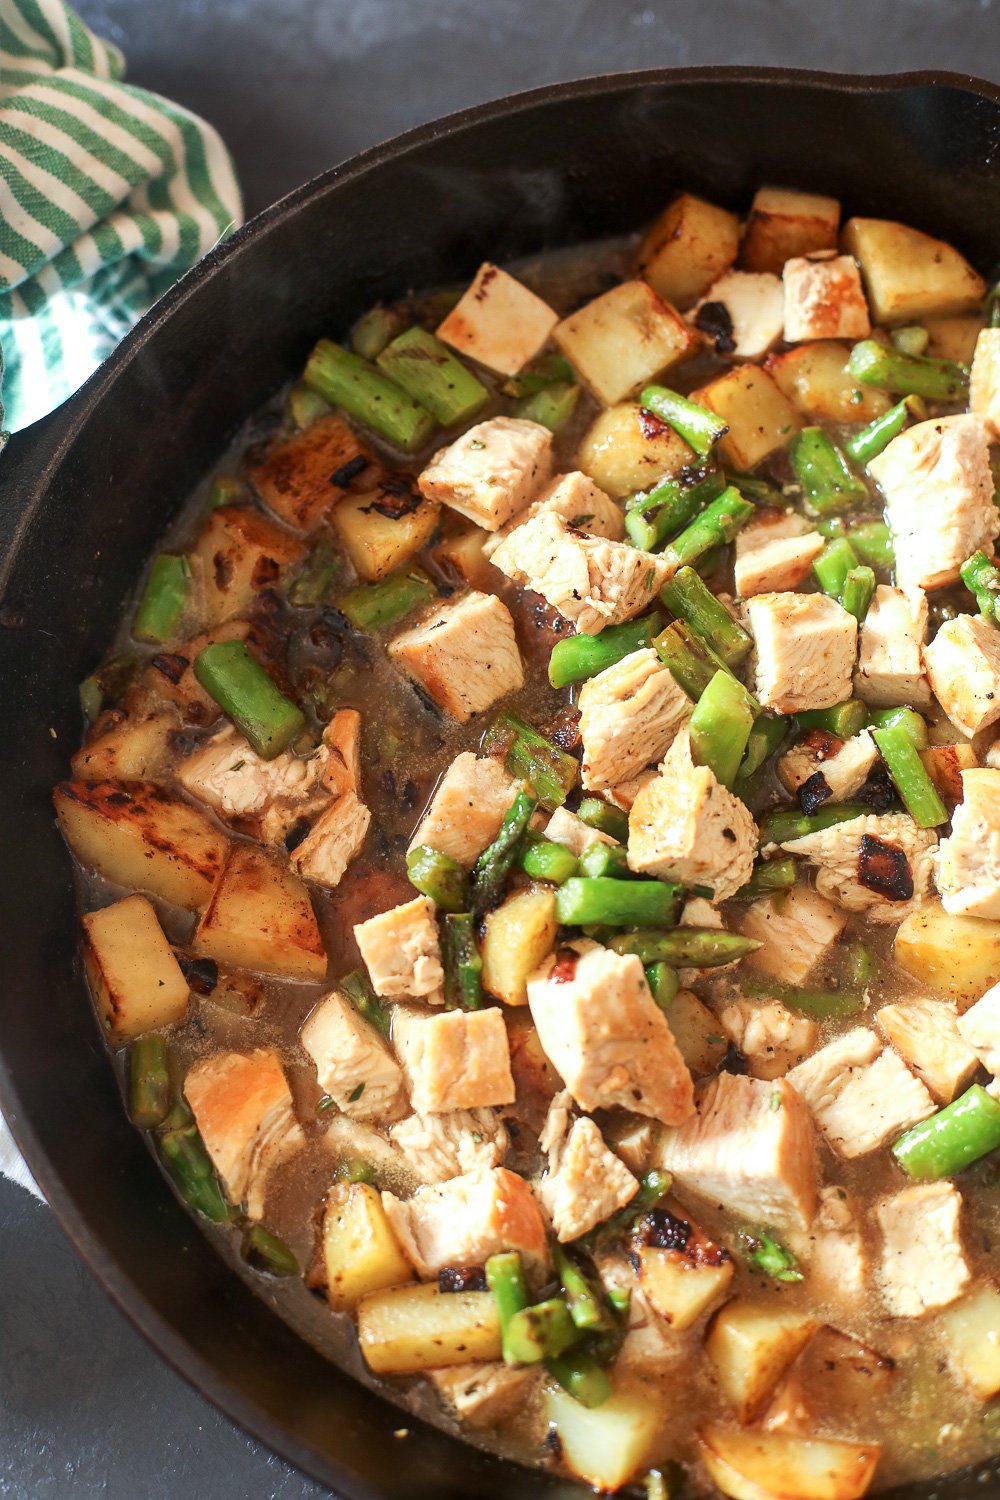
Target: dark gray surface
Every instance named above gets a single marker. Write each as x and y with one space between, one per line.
86 1410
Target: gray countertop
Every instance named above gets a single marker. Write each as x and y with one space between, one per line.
86 1409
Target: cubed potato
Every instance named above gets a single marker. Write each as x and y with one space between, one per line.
134 977
910 275
519 935
606 1445
360 1251
836 1379
749 1465
134 746
761 418
751 1345
971 1330
238 553
408 1328
627 448
300 477
623 339
782 224
687 248
499 322
696 1032
140 836
382 529
169 678
260 918
680 1284
815 377
952 955
944 764
462 553
954 338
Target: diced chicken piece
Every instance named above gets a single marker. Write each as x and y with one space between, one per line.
585 1182
465 1221
337 835
587 579
750 1148
927 1035
455 1060
242 1106
923 1265
440 1147
796 929
463 654
963 667
342 742
878 864
483 1396
580 502
984 380
629 717
771 1037
742 313
573 833
805 649
686 826
890 663
402 951
353 1064
499 322
828 768
774 553
347 1138
466 811
968 863
824 299
833 1250
605 1035
938 492
227 775
622 339
980 1028
650 1343
860 1093
492 471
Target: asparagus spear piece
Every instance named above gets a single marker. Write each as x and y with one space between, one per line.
669 506
266 1252
821 469
608 902
687 597
907 374
605 817
821 1004
544 860
305 406
189 1165
663 983
463 966
902 758
364 393
832 566
982 578
550 370
375 329
427 370
911 340
873 544
691 660
226 490
148 1082
586 1306
551 408
361 995
952 1139
244 692
717 524
505 1279
496 861
700 428
766 735
786 823
686 947
438 876
758 489
764 1253
579 1373
873 439
576 658
605 860
720 727
858 592
354 1169
164 600
768 875
843 719
541 1331
317 573
529 757
371 606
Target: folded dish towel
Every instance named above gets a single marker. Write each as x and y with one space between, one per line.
107 194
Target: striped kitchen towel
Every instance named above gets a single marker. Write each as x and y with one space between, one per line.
107 194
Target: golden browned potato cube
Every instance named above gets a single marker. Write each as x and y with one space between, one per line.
783 224
971 1331
952 955
697 1033
681 1283
462 553
169 678
300 477
260 918
238 553
623 339
816 378
761 418
627 448
910 275
499 322
687 248
360 1251
751 1345
954 338
944 764
138 835
382 529
606 1445
408 1328
134 977
750 1465
519 934
134 746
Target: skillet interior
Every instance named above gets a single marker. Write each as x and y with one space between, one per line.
86 495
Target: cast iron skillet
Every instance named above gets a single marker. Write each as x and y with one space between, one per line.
86 493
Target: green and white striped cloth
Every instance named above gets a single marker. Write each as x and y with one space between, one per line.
107 194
